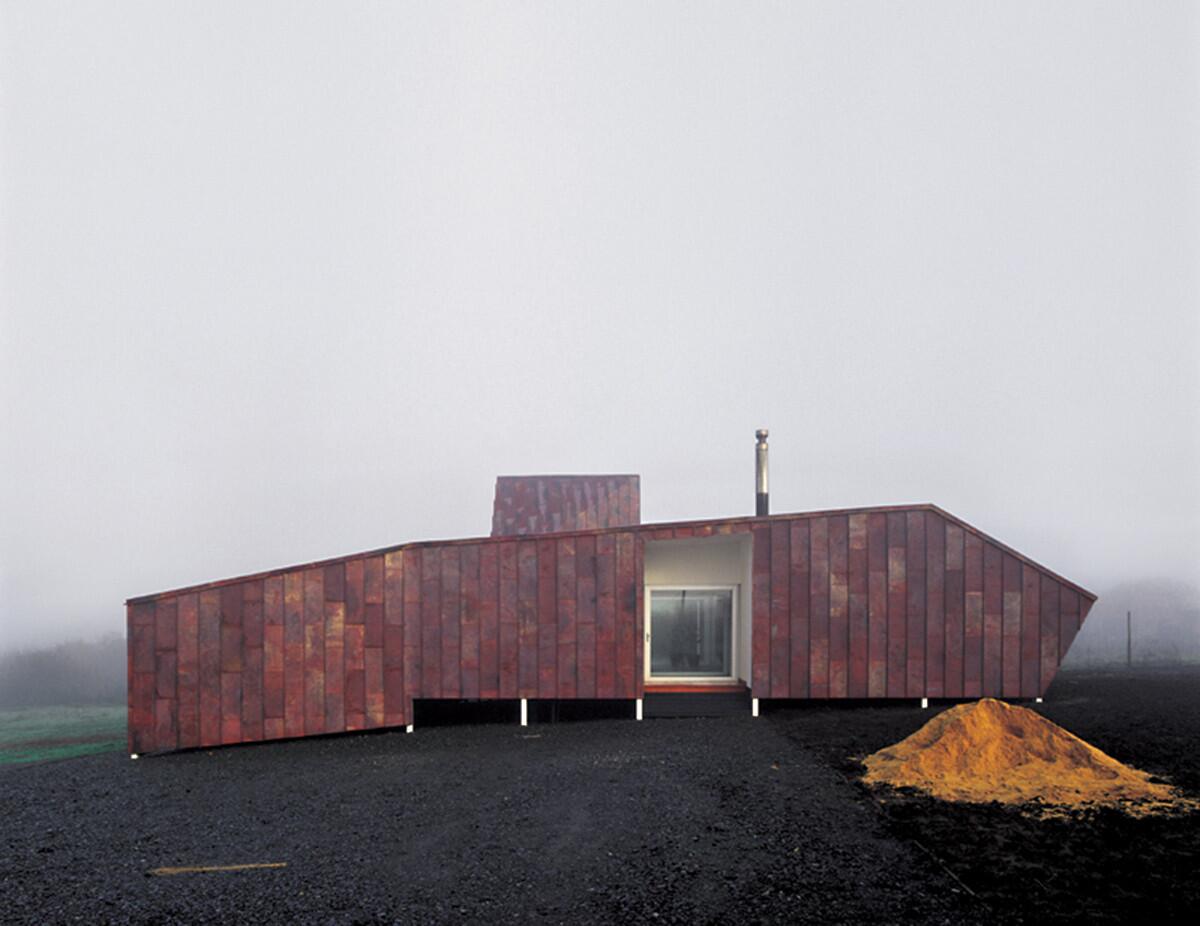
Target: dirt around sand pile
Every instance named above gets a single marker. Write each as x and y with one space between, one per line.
992 751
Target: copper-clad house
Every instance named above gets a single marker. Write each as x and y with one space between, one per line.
572 597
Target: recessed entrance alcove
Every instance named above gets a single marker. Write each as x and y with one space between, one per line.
697 607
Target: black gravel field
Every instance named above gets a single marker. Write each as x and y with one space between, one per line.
697 821
1099 867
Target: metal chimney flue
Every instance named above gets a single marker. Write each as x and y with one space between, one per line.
762 504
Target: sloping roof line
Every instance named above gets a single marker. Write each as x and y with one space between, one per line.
658 525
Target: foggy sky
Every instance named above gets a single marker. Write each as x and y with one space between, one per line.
286 281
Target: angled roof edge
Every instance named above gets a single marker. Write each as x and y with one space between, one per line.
657 525
1006 548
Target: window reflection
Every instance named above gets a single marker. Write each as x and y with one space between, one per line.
691 632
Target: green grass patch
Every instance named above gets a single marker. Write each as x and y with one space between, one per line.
38 734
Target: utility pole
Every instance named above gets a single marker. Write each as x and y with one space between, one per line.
1129 639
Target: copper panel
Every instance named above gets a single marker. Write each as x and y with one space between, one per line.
935 605
450 621
877 592
547 620
839 605
548 504
469 620
565 605
780 619
858 659
798 606
897 602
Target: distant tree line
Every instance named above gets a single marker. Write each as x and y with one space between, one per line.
76 672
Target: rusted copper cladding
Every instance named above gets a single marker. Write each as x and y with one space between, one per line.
548 504
887 602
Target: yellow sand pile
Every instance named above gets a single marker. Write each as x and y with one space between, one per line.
992 751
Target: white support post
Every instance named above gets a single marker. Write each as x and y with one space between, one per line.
1037 700
924 703
409 728
524 712
639 708
754 707
133 755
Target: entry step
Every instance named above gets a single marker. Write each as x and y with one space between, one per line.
697 703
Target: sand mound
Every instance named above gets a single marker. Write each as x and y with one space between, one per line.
992 751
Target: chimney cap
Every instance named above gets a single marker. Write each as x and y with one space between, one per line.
761 434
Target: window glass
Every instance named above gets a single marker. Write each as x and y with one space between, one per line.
691 632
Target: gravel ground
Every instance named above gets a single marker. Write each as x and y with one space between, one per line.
607 821
701 821
1100 867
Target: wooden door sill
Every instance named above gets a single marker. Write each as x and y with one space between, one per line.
695 688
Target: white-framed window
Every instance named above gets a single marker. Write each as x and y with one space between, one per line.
691 633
